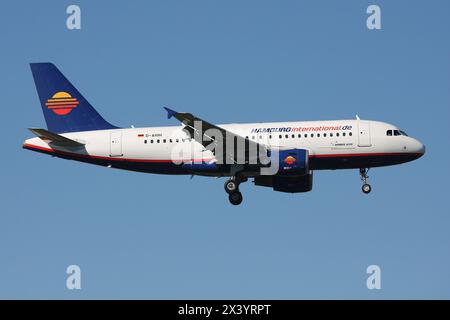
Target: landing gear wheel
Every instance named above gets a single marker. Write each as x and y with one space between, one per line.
235 198
366 188
231 186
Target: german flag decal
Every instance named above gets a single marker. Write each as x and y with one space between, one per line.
62 103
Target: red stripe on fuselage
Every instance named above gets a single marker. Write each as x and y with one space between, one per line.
341 155
368 154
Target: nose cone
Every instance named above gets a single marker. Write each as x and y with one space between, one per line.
419 148
422 149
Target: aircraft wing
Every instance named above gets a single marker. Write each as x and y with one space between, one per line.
241 151
55 138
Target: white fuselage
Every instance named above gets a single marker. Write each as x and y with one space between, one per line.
336 144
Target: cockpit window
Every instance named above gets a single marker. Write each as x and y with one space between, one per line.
395 133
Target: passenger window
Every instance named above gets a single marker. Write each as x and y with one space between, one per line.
177 140
350 134
312 135
170 140
145 141
337 134
286 136
306 136
157 141
260 137
280 136
293 136
318 135
325 135
164 140
151 141
253 137
343 134
389 133
299 135
270 136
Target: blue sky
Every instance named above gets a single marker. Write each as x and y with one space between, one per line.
160 237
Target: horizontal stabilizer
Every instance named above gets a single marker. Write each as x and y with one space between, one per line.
55 139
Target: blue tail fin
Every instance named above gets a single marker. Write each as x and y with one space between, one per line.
65 109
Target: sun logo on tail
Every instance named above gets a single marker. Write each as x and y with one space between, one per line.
62 103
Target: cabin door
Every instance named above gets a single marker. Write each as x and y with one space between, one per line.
364 134
116 144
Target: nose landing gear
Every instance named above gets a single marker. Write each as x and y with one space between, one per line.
366 188
232 188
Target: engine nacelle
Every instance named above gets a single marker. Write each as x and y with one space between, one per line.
293 184
293 162
283 183
293 173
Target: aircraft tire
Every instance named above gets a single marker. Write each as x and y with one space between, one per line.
366 188
235 198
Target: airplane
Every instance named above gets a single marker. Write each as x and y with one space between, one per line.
277 155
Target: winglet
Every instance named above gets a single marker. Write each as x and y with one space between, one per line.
170 113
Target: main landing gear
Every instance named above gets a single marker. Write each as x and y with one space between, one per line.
232 188
366 188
